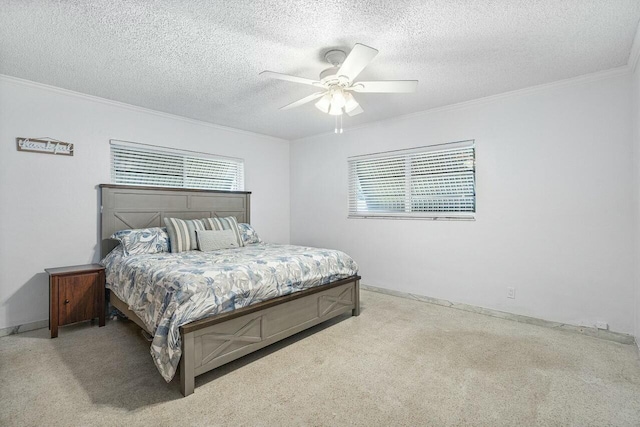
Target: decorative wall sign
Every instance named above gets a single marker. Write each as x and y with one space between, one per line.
44 145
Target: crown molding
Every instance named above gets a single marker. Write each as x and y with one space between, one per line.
572 81
131 107
583 79
634 55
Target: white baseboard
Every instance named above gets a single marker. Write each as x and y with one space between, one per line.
24 328
592 332
584 330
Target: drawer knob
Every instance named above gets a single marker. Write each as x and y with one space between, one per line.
66 301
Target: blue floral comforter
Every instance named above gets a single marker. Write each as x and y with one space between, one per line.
169 290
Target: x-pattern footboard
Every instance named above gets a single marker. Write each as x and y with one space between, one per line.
210 343
227 340
345 299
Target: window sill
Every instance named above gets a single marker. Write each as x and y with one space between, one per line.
409 217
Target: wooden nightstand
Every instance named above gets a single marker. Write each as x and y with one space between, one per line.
76 293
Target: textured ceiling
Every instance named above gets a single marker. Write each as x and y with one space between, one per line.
201 59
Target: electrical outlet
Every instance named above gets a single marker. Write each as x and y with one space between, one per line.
511 293
602 325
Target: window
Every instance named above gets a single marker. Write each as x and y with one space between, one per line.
436 182
141 164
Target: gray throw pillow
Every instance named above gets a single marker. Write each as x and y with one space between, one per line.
213 240
226 223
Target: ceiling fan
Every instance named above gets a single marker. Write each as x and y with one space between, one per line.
337 83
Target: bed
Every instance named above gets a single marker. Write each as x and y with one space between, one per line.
200 334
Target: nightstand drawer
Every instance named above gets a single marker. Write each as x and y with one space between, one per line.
78 298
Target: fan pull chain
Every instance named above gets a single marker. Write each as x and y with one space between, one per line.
337 129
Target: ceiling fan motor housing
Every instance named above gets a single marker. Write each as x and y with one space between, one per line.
329 76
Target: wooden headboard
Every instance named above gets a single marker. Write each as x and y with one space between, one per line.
127 206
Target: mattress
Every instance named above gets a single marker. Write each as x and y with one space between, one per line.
169 290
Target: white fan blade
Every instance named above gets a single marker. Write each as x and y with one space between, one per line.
386 86
303 101
359 58
355 111
289 78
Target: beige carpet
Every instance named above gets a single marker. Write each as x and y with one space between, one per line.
401 362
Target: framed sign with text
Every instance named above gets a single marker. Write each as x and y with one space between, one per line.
44 145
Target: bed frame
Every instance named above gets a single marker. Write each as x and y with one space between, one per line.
220 339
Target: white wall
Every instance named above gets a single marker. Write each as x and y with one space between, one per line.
49 204
554 179
555 170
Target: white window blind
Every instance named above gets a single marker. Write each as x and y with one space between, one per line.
147 165
427 182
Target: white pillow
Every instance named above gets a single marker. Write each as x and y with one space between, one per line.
213 240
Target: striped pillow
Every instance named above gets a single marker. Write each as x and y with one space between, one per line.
182 233
226 223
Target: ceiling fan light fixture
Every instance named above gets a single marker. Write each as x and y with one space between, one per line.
350 103
334 110
324 103
338 98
